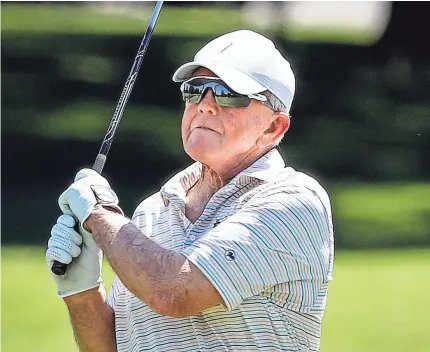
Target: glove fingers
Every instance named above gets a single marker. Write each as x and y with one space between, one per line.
59 255
86 173
78 200
91 177
67 220
60 230
63 202
64 244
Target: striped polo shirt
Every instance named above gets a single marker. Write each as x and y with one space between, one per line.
264 240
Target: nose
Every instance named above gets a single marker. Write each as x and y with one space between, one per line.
208 104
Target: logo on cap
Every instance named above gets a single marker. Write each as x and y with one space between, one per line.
226 47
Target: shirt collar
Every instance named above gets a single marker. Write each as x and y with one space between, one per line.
179 184
266 168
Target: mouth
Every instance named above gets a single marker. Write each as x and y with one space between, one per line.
205 128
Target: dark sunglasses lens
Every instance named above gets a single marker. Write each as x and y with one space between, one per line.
226 97
192 98
192 93
193 90
233 101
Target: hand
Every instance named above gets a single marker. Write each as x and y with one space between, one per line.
65 244
89 189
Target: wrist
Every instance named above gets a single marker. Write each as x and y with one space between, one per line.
85 298
96 215
103 221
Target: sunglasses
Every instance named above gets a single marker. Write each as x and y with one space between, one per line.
195 88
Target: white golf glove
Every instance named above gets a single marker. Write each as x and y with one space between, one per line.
89 189
65 244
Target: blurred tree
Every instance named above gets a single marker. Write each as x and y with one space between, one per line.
361 113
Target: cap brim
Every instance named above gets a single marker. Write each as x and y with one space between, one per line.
235 79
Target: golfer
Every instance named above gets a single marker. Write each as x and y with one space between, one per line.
234 253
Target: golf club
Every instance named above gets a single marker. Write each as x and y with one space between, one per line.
60 268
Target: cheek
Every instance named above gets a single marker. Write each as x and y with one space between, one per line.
242 127
235 124
186 121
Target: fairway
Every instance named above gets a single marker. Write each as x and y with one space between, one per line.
378 301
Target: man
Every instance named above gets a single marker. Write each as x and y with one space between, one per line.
234 253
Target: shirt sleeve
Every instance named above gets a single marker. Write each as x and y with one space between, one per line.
283 237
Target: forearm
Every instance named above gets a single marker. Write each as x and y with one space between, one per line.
92 320
144 267
165 280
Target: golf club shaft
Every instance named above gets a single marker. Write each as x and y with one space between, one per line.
122 102
60 268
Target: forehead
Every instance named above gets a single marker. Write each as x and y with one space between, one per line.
201 71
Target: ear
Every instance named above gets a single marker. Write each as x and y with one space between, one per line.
277 128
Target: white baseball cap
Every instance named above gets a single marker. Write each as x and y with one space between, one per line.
248 62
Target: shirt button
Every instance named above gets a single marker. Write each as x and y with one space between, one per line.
192 237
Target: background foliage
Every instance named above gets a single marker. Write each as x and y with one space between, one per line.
360 116
360 124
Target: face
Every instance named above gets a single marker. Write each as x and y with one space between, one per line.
217 135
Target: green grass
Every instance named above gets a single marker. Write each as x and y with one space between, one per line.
382 214
33 317
378 301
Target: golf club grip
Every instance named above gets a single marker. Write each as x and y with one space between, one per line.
99 163
60 268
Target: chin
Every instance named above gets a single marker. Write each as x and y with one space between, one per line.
202 145
201 153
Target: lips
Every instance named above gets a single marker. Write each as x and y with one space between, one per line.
205 123
204 128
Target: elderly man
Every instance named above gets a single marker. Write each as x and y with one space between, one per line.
234 253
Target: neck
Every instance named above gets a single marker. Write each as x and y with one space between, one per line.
214 178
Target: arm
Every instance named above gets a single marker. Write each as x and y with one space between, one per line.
167 281
278 237
281 237
92 320
81 287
